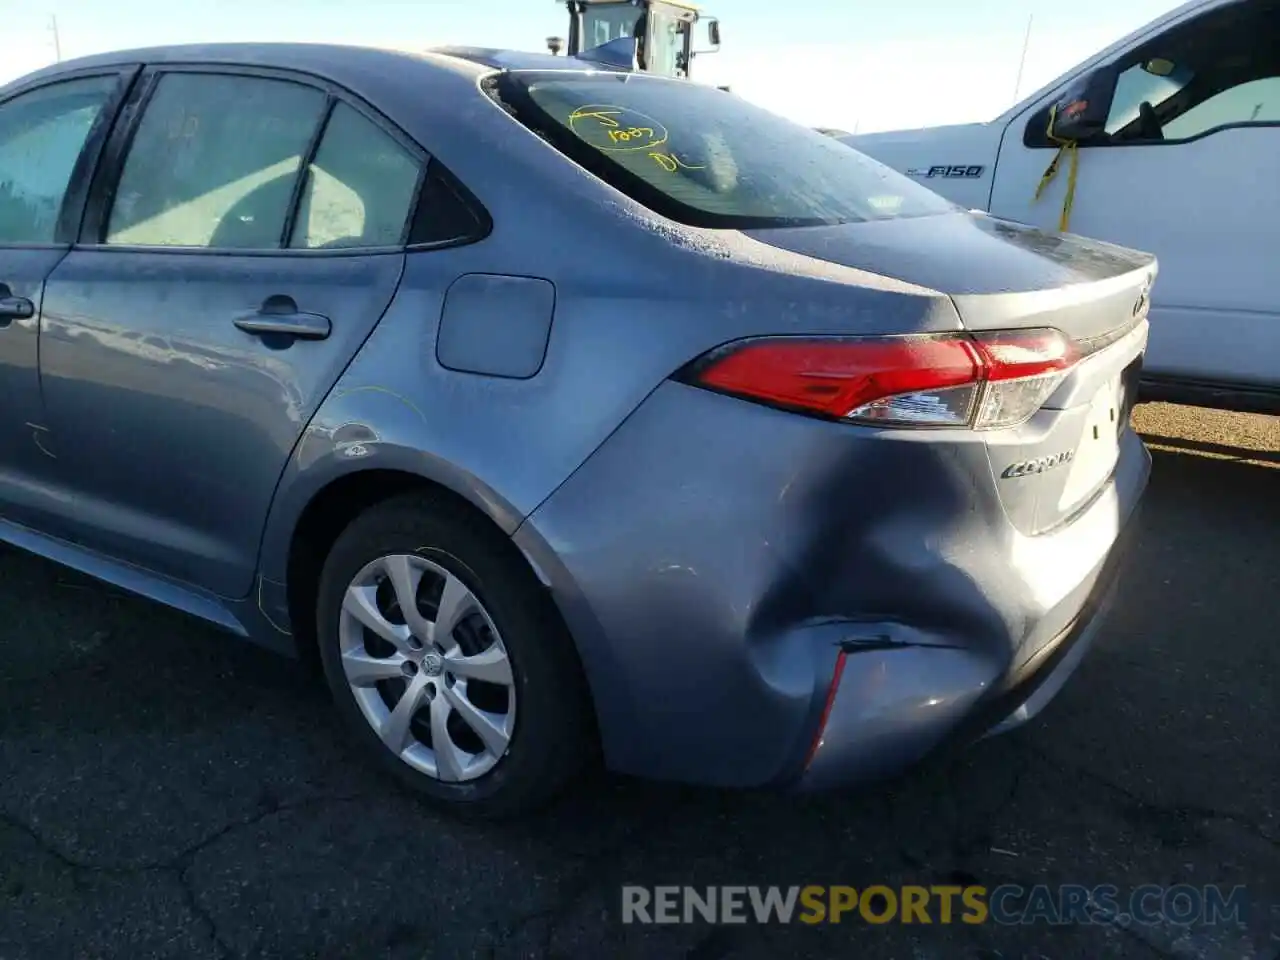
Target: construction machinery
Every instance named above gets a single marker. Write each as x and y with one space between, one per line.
655 36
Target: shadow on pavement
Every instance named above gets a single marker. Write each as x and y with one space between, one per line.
1226 451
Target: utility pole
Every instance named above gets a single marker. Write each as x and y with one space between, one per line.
1022 61
57 43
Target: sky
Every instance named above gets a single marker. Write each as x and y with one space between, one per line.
858 66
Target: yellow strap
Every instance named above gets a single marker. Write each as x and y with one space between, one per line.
1072 150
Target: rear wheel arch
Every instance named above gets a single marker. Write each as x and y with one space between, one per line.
332 508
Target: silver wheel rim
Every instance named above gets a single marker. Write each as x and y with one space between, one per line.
427 667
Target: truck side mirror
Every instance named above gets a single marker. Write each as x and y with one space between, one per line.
1081 113
713 33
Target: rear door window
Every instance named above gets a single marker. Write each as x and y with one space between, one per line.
214 162
704 157
359 188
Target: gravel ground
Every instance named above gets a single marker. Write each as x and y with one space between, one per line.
166 792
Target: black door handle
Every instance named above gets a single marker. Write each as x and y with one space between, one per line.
280 316
15 308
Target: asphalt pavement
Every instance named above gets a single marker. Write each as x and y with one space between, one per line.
168 792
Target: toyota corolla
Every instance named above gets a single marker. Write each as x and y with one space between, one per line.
559 411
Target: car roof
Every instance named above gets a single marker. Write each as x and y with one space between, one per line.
342 64
500 59
334 62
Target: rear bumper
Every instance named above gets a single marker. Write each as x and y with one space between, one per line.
873 734
713 561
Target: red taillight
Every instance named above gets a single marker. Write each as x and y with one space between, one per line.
984 381
835 377
1031 353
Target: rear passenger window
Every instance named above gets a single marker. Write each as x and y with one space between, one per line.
214 162
41 136
360 188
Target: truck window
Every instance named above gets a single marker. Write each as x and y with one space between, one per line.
602 22
705 158
1136 85
1257 101
1225 72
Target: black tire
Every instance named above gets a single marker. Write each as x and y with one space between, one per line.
553 735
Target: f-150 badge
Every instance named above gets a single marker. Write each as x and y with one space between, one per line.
962 170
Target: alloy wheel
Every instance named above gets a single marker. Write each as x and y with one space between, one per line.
427 667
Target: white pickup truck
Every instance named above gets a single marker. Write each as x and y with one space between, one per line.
1177 133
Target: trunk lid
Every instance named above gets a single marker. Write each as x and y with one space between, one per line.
1007 276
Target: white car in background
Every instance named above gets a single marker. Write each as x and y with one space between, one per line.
1178 129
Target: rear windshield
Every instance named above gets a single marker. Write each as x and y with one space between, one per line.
705 157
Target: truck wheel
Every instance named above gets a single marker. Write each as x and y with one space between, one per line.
447 661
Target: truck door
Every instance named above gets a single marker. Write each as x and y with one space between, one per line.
667 44
1189 169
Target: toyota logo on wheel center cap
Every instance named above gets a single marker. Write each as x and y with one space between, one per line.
432 664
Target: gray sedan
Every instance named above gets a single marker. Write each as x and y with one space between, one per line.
559 411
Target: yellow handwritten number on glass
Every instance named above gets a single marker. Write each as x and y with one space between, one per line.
612 128
635 133
602 115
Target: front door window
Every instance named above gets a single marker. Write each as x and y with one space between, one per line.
1215 71
41 136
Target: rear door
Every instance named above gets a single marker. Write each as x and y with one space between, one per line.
1193 177
50 135
246 234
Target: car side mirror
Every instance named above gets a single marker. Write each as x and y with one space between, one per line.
1080 114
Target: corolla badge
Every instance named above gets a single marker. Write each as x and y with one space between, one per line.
1026 468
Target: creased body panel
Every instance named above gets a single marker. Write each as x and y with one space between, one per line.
712 554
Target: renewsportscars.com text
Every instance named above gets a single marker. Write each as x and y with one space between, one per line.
1063 904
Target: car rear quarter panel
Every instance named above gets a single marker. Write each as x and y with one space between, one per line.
631 308
636 297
